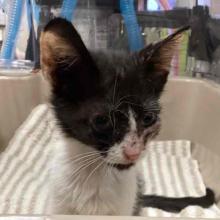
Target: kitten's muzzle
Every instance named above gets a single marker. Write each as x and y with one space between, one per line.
132 152
132 147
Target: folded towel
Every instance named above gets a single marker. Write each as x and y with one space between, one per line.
189 212
170 171
24 166
172 176
176 147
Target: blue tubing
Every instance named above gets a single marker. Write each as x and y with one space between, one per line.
67 9
14 20
134 36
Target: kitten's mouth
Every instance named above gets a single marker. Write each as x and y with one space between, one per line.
120 166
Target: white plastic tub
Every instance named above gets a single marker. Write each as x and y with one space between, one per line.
191 110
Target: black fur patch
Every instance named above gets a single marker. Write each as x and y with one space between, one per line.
122 166
177 204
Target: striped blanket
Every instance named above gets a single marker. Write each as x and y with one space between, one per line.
169 170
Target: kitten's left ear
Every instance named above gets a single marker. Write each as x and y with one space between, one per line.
157 58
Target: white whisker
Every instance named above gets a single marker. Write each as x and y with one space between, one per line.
89 162
78 169
114 90
95 169
120 101
85 153
123 113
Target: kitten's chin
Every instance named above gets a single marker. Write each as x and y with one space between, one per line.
121 166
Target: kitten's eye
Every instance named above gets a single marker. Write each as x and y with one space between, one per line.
149 119
101 122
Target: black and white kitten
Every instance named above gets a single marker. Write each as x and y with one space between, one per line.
107 106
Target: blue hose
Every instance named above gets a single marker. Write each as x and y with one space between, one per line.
134 35
67 9
14 20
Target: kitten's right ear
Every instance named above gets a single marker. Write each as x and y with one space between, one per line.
62 48
64 58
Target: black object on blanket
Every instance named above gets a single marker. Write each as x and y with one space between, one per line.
177 204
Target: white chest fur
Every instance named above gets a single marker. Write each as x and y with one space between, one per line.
95 189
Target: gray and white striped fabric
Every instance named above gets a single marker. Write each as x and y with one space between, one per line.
24 166
169 170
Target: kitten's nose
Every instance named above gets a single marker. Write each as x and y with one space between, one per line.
132 153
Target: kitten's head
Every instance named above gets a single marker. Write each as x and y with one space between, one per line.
106 100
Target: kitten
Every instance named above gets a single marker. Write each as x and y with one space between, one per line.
107 106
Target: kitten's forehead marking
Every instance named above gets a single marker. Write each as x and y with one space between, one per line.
132 121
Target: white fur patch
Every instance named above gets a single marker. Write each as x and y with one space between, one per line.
115 154
132 122
94 190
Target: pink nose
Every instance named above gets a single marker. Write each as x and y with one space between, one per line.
131 153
